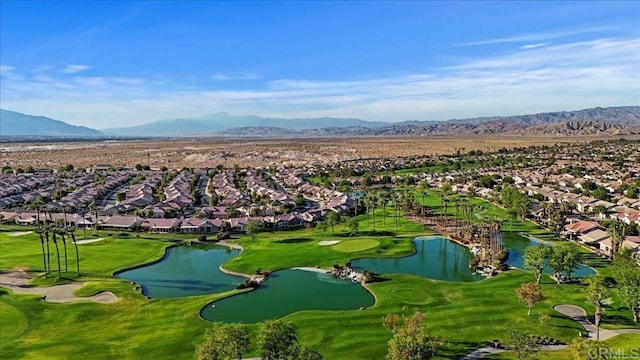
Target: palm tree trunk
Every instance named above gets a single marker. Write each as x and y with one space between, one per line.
66 260
84 224
384 211
48 253
598 315
96 225
73 238
374 215
44 257
55 242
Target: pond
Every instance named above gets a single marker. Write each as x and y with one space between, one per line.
442 259
185 271
435 258
517 244
288 291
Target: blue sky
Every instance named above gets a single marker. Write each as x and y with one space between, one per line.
108 64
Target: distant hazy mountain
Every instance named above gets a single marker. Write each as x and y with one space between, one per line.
598 121
14 123
223 121
623 115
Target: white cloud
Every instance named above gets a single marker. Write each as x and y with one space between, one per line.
220 77
567 76
533 46
542 35
5 69
243 76
72 69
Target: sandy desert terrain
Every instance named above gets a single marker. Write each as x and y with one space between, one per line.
200 152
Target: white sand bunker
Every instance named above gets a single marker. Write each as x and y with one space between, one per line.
17 282
88 241
20 233
328 242
311 269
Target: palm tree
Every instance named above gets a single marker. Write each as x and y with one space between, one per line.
83 212
71 231
37 204
40 230
616 232
422 187
47 228
381 199
55 242
566 207
62 231
65 208
597 296
371 205
443 201
394 202
94 207
456 203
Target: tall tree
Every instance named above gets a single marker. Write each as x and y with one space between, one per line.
616 233
410 340
277 340
536 259
581 349
94 208
572 258
62 231
627 275
65 209
333 219
422 188
371 201
83 211
564 260
252 228
40 230
55 242
597 296
322 226
47 228
530 294
75 244
556 221
224 341
352 225
37 204
523 345
515 202
382 197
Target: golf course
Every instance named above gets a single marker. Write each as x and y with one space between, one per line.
467 315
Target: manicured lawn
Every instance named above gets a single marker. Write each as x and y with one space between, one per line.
13 323
465 315
96 259
356 245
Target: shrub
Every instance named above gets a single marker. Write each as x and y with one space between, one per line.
202 237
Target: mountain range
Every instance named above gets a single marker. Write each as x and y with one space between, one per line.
18 124
223 121
622 120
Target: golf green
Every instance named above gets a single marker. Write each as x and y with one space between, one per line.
356 245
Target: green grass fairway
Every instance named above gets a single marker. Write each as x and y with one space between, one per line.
356 245
13 323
